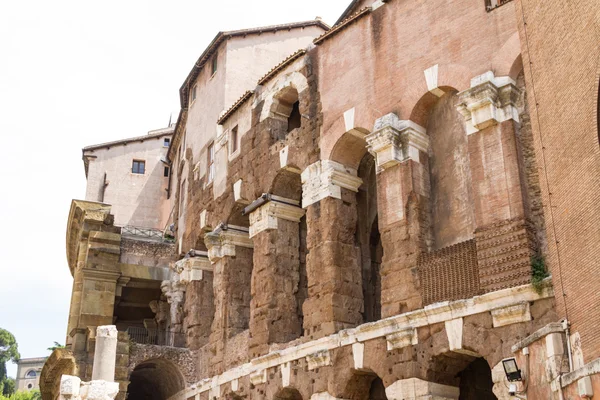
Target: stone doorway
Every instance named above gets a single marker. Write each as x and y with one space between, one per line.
156 379
476 381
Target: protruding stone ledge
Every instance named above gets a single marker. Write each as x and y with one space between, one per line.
404 338
414 389
511 315
318 359
191 269
553 327
258 377
394 141
266 217
326 178
490 101
222 241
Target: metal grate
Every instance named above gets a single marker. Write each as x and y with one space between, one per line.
154 337
149 233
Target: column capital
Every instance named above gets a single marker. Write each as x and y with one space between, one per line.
394 141
326 178
490 101
222 241
191 269
266 216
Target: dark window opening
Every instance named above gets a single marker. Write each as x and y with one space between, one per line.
166 142
234 139
139 167
166 172
214 64
295 118
476 381
193 95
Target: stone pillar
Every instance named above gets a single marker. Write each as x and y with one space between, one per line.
230 253
335 297
105 354
400 148
196 274
275 230
417 389
491 115
492 118
174 291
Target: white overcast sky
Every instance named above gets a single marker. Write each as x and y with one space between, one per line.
75 73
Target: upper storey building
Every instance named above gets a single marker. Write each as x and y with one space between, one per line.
132 175
231 64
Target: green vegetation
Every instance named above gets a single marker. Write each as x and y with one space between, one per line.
8 352
538 272
56 346
22 395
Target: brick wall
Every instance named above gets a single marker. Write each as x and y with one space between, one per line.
561 55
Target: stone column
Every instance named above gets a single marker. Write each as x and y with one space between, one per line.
230 253
502 232
335 297
174 291
400 148
275 230
105 353
417 389
196 274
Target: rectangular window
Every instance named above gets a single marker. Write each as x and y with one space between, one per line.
193 94
138 167
166 172
214 64
234 139
211 162
166 142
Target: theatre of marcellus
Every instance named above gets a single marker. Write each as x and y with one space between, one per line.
404 205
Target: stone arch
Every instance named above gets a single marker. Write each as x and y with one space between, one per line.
350 148
288 393
364 385
287 184
282 89
155 379
505 57
61 362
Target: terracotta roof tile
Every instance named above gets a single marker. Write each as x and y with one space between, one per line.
345 23
235 106
273 71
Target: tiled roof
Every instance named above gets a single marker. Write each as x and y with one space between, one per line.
160 133
222 36
235 106
281 66
339 27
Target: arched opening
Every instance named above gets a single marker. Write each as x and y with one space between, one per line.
288 394
476 381
365 386
369 239
286 111
156 379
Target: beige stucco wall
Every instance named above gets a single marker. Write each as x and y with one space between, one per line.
23 367
136 199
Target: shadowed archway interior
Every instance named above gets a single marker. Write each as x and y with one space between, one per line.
156 379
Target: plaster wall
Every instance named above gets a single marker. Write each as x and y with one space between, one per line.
136 199
24 366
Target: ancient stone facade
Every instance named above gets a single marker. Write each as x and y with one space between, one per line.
369 220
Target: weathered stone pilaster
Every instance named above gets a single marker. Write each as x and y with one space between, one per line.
335 298
275 231
400 148
105 353
230 253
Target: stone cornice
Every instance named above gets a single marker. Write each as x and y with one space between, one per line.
265 217
81 215
191 269
222 242
489 101
326 178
